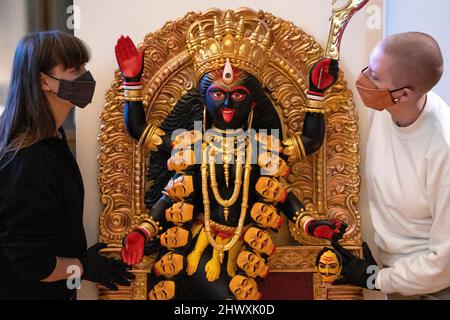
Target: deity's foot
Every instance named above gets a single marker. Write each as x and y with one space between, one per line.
232 259
231 268
213 270
192 262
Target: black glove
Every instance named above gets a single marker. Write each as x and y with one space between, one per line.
354 270
323 75
106 271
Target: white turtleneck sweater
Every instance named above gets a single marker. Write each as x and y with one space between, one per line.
408 177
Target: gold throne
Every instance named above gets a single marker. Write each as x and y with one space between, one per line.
327 183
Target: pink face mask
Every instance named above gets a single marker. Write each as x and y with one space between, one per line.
372 96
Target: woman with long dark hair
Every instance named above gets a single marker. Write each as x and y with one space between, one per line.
42 239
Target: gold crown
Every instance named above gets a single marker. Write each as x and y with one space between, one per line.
246 43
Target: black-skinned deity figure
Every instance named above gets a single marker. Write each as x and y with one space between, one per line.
217 165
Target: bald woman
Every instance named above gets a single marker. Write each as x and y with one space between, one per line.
408 171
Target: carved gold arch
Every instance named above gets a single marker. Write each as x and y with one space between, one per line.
328 182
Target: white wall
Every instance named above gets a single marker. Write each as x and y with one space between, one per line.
101 22
13 26
429 16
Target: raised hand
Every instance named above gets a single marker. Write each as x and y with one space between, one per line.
323 75
130 60
133 248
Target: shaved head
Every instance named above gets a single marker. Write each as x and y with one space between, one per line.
415 60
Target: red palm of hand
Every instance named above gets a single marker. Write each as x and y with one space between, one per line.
133 249
130 60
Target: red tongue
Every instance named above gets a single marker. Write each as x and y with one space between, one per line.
228 115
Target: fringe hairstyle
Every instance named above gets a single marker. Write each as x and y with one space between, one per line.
28 118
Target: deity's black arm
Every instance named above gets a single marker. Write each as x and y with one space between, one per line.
313 132
135 119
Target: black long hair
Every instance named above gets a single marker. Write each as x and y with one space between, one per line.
189 110
28 118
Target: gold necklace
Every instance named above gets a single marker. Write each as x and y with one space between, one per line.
206 203
225 147
226 204
228 131
245 192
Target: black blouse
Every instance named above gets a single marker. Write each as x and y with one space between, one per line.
41 218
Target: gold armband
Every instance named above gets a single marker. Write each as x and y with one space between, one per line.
301 219
151 137
294 149
315 106
133 95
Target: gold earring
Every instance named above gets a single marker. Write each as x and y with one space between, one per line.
204 119
250 120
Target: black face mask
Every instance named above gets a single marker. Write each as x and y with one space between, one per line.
79 91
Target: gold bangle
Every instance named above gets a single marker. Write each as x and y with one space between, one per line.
311 110
314 104
133 94
301 218
134 99
294 149
151 226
